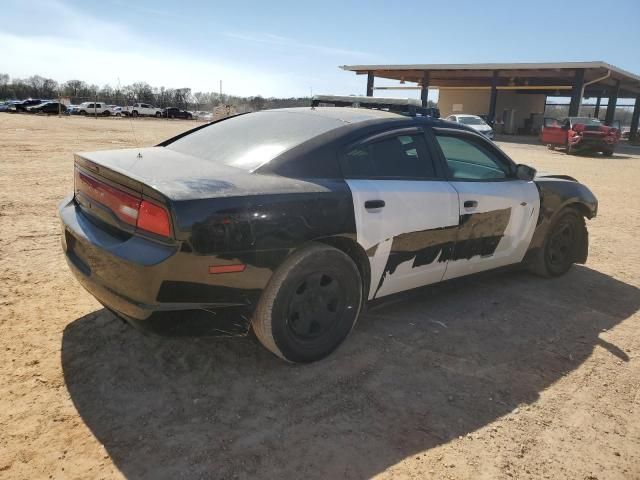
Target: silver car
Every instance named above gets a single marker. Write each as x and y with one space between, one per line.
473 121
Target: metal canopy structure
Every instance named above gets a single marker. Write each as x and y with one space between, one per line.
570 79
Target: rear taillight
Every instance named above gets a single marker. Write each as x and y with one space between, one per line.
122 204
134 211
154 218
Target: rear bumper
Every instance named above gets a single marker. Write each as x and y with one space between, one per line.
593 143
155 286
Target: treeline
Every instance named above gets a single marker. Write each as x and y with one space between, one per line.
79 91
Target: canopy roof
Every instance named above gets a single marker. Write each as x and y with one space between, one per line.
551 78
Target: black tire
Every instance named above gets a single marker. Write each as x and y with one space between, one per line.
158 114
310 305
566 238
106 113
607 153
83 113
551 146
134 113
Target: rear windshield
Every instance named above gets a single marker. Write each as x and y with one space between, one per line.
585 121
251 140
471 120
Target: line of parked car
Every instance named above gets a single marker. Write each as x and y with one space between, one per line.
53 107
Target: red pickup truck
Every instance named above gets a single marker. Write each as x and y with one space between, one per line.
580 134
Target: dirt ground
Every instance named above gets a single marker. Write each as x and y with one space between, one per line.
500 376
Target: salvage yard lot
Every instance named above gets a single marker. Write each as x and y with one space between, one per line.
499 376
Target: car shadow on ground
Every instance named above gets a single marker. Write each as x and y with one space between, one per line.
418 371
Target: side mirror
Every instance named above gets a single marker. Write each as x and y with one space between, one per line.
525 172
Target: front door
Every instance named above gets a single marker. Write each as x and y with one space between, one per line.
406 214
498 212
553 132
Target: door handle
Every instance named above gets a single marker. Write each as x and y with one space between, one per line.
370 204
470 204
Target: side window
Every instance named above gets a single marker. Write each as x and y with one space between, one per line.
395 157
98 105
90 105
468 160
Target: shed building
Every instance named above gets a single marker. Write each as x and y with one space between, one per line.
521 88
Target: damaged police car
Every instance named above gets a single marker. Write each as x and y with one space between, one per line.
289 221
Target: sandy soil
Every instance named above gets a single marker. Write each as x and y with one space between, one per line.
502 376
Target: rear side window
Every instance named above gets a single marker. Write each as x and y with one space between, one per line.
468 160
401 156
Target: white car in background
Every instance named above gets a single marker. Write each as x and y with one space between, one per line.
473 121
94 108
142 110
202 115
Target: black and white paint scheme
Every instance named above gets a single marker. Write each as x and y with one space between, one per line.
289 221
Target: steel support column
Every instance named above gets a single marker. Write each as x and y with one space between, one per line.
596 112
576 93
633 134
424 90
370 84
611 105
494 98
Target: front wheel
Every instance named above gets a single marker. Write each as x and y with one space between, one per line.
566 238
134 114
310 304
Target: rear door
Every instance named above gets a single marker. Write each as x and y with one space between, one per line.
498 212
553 132
406 212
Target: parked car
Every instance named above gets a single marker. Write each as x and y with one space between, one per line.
142 110
50 108
116 111
21 106
473 121
94 108
204 116
6 106
289 221
576 134
173 112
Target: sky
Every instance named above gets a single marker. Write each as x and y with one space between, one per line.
293 48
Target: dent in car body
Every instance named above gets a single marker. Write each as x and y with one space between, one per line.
556 193
476 234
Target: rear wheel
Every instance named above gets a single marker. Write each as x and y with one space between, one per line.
134 114
158 114
607 153
310 304
565 239
106 113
